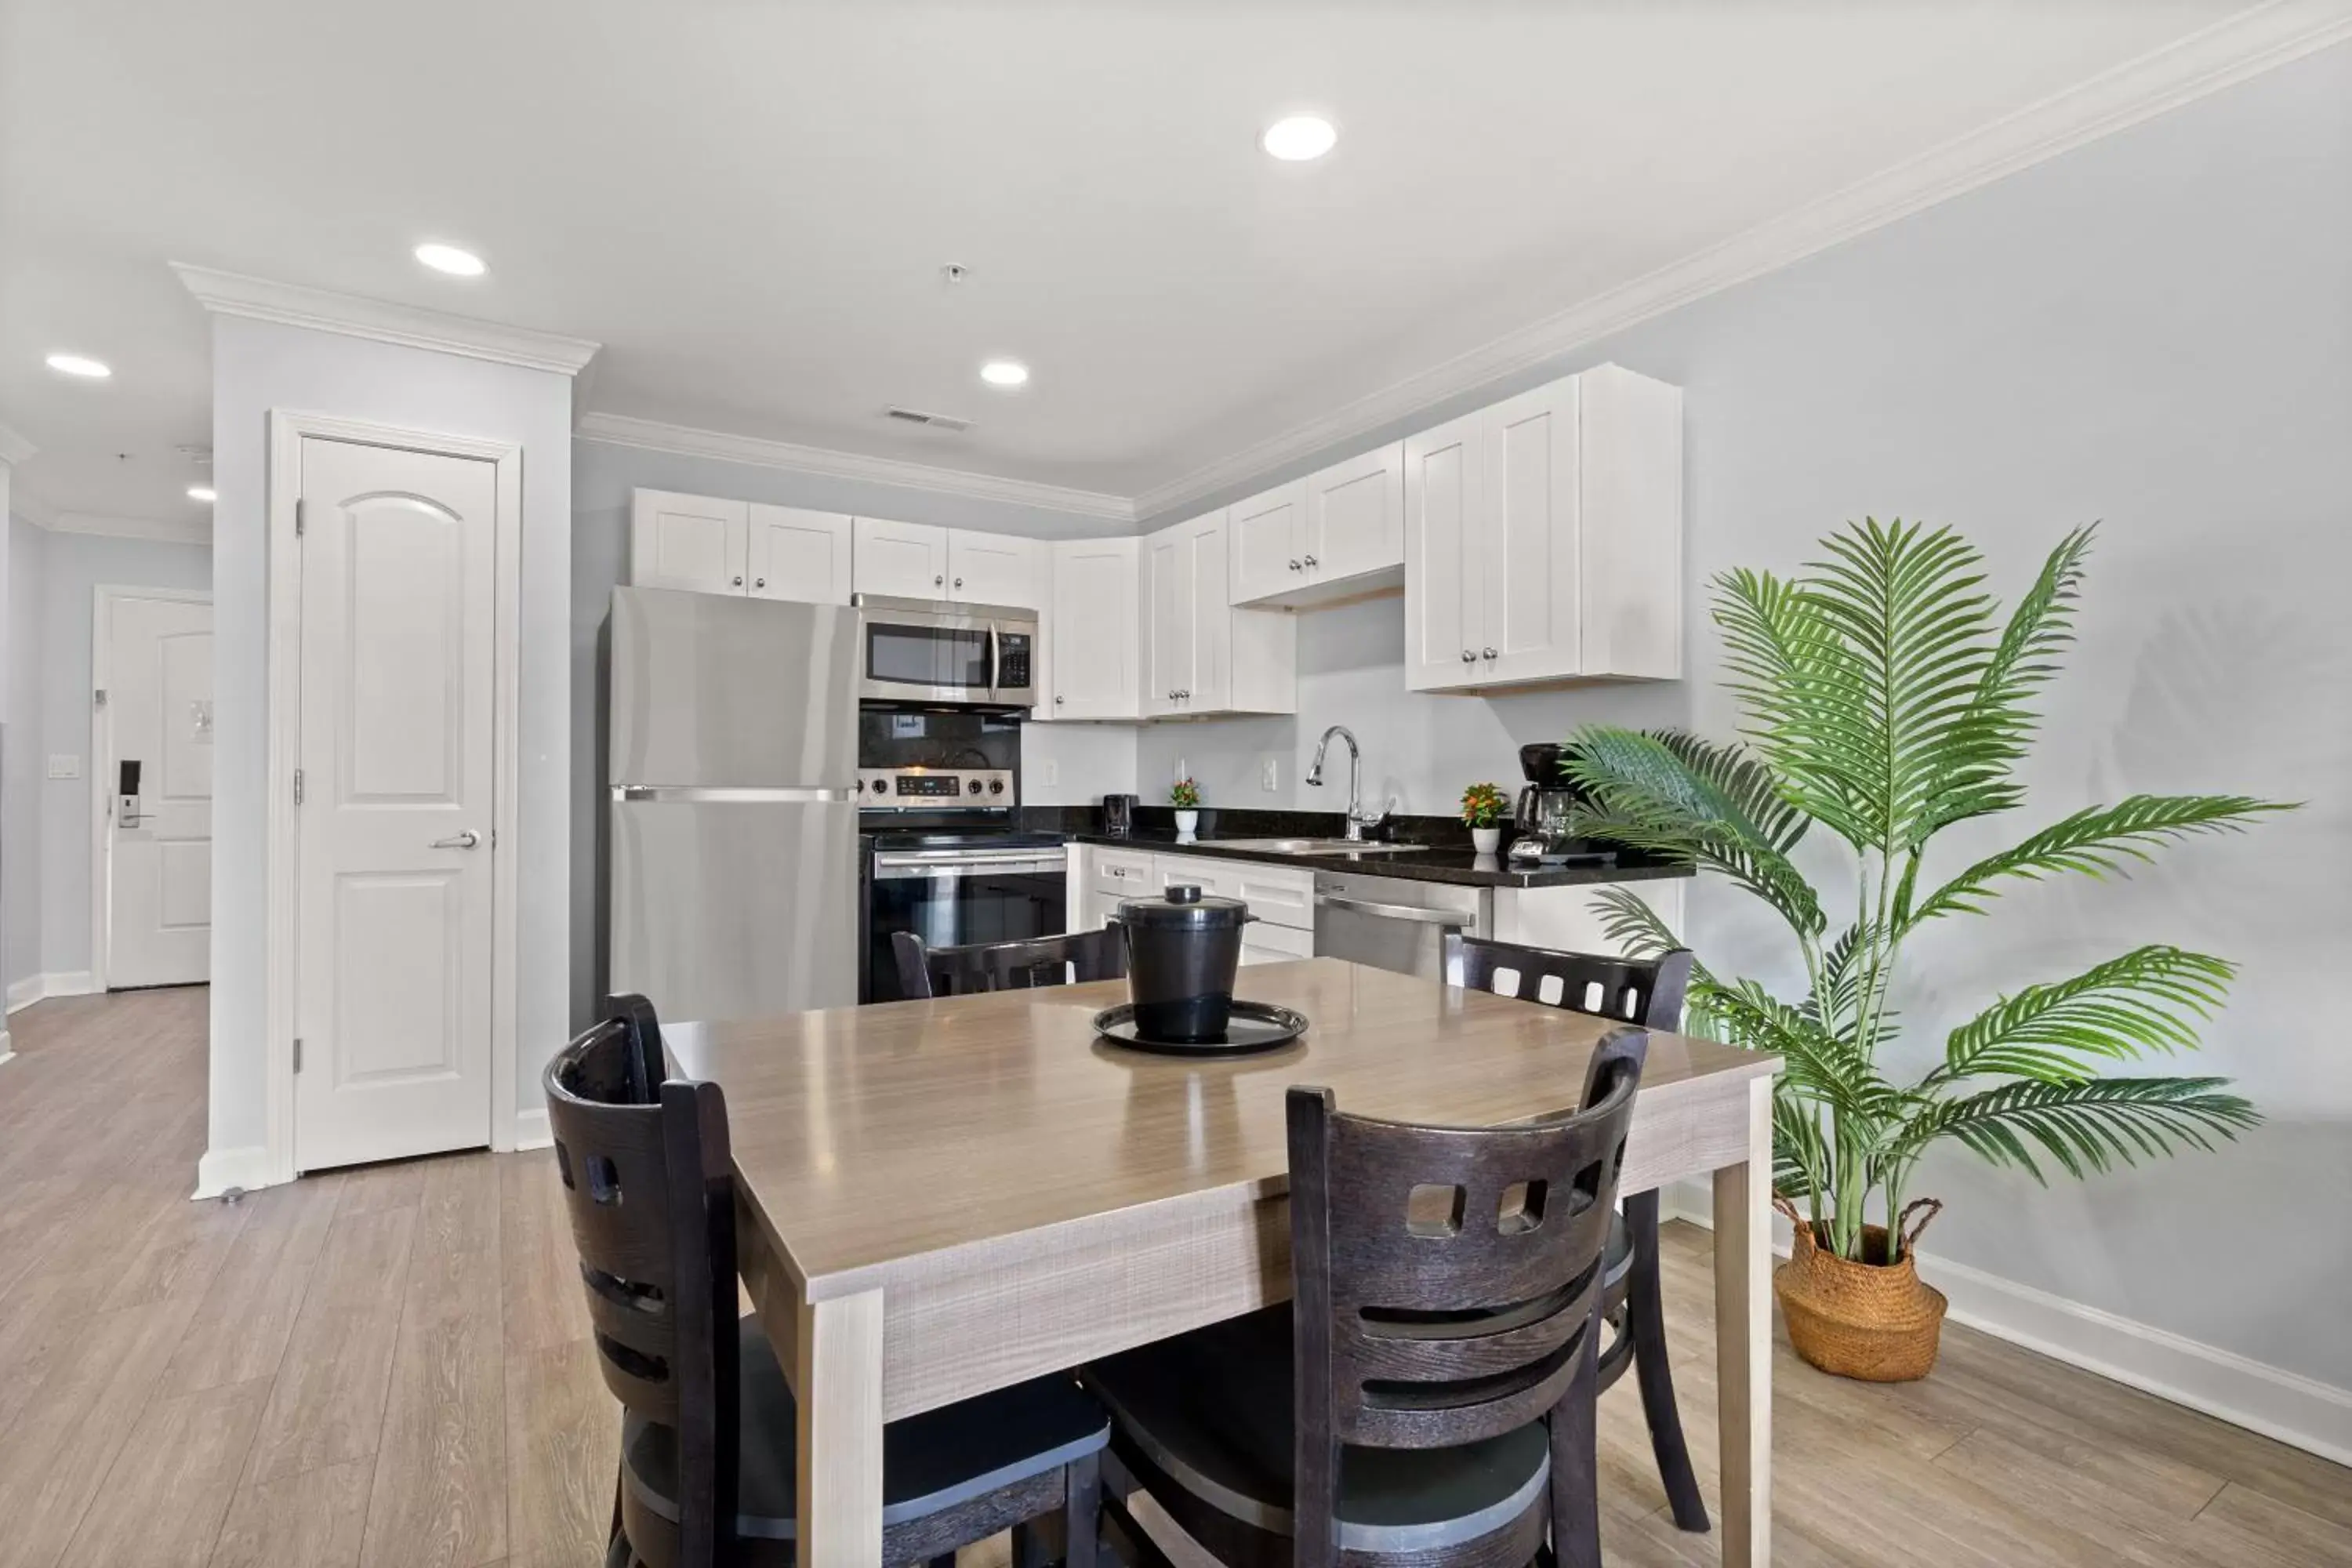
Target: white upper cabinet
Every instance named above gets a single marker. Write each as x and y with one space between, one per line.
1543 538
686 542
901 560
795 553
995 569
1334 533
1201 655
1094 663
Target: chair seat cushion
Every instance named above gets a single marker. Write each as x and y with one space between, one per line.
930 1462
1213 1411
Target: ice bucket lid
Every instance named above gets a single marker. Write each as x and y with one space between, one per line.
1183 908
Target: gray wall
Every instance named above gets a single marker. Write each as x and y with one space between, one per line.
1087 759
2155 331
258 366
73 565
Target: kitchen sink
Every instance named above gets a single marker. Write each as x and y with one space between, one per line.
1316 847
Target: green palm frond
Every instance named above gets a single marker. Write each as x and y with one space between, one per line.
1637 930
2093 1125
1799 686
2150 998
2096 841
1990 738
1820 1063
1801 1160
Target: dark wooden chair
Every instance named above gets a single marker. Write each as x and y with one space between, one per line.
1006 965
1648 992
1427 1397
708 1430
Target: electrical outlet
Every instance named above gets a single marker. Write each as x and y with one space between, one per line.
1269 774
1051 774
65 767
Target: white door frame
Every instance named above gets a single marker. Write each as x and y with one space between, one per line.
287 431
101 729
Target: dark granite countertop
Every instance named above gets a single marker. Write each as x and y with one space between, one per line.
1453 863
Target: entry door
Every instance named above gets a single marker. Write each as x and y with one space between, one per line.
393 963
158 847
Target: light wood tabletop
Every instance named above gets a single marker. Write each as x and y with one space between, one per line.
941 1197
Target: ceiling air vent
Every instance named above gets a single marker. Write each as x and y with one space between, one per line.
936 421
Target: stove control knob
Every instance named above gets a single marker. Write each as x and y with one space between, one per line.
881 786
972 787
996 786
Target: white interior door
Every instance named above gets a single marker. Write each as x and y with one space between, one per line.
393 921
157 885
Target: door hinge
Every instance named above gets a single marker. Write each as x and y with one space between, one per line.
301 517
298 1053
297 786
101 696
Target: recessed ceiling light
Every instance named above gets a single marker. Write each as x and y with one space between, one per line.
200 492
1004 373
1299 138
450 260
80 364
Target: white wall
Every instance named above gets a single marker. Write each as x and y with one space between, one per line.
20 754
2155 330
1088 760
72 566
260 366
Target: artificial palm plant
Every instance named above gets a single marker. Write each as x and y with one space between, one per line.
1883 702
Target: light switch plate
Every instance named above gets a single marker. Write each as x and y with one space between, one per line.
64 767
1269 774
1051 774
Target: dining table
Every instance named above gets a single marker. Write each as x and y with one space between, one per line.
941 1197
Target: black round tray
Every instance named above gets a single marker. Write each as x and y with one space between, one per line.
1255 1027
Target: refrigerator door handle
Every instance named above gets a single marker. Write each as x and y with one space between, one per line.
724 795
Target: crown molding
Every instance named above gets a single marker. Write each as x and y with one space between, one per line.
621 430
31 507
14 448
160 531
294 305
2204 62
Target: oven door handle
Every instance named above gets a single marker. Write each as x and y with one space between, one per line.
902 868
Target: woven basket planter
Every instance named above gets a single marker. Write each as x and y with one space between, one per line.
1868 1321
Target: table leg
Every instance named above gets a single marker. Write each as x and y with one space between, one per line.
840 1400
1743 1338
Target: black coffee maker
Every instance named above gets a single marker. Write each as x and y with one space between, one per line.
1545 818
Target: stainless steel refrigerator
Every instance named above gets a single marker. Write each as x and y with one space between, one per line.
732 773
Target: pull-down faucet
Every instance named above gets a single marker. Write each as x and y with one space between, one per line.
1358 817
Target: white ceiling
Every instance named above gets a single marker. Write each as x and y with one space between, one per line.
748 202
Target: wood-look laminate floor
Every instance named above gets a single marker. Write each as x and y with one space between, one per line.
389 1366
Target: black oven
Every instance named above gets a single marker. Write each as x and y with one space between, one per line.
952 888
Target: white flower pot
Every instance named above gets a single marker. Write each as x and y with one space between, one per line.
1187 821
1486 840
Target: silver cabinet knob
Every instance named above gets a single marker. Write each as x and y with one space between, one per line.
1057 701
959 582
1294 567
465 840
1490 653
738 581
759 582
1469 657
936 581
1310 561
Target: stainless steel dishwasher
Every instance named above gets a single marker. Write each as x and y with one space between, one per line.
1393 922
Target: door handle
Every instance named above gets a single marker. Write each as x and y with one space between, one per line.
1419 915
465 840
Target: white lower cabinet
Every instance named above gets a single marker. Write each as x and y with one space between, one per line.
1573 919
1101 877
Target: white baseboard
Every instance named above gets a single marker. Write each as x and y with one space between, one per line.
532 1130
7 1054
41 987
2301 1411
220 1169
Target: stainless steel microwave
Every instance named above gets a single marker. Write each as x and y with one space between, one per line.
926 650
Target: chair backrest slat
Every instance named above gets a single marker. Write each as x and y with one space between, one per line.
1448 1277
1077 956
1645 990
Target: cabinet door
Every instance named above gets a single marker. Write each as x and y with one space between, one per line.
1354 522
1629 550
1527 548
1210 687
994 569
1265 544
903 560
795 553
1214 878
1445 495
686 542
1168 610
1263 942
1096 650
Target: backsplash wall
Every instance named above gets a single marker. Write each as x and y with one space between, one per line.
1419 750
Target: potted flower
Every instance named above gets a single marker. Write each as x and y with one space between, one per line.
1482 810
1185 796
1883 702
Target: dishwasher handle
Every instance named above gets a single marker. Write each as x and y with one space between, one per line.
1452 919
